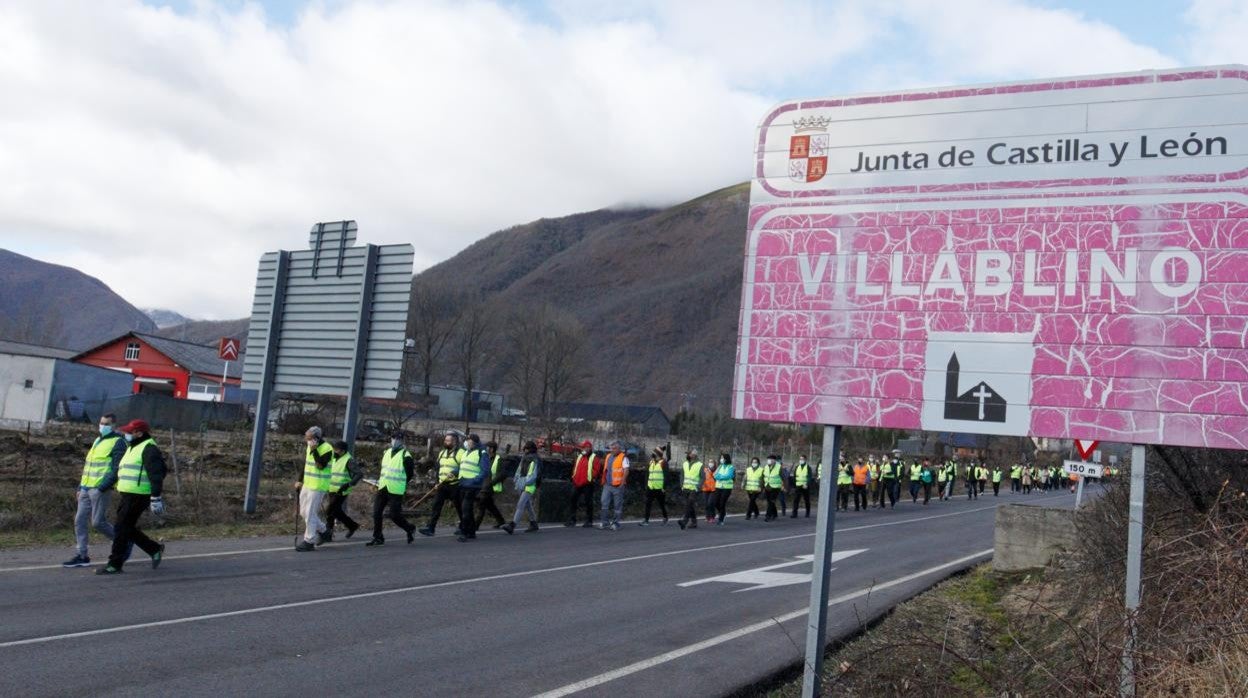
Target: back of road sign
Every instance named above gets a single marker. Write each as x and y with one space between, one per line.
319 319
1059 258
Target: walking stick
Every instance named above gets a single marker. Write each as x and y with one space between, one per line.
426 495
296 520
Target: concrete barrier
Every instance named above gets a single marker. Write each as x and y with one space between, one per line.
1028 537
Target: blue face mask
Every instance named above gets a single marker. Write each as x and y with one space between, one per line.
106 429
129 437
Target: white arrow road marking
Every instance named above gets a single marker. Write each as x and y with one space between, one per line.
764 578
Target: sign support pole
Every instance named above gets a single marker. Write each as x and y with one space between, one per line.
359 357
1079 490
1135 546
224 372
817 622
265 394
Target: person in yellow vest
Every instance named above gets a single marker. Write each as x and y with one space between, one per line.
343 476
528 474
656 481
942 480
397 467
890 470
474 469
140 478
690 483
1016 478
916 475
448 483
844 485
615 477
801 486
95 487
313 485
773 485
873 482
981 474
753 487
725 479
493 486
585 472
997 474
972 481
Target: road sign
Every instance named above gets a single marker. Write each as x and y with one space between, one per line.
1055 258
329 320
1085 448
1082 468
227 349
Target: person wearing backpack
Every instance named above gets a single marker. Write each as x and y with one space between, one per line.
528 476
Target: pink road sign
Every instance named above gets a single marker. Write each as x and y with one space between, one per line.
1060 258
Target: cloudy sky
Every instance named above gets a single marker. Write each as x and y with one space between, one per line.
164 145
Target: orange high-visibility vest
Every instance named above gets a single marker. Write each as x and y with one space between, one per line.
708 480
617 470
860 474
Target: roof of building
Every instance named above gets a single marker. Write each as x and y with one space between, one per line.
196 358
24 349
607 413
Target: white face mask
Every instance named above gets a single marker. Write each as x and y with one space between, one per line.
129 437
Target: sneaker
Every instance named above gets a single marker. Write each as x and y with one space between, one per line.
693 524
532 527
351 531
108 569
158 555
587 524
464 539
644 523
304 547
569 524
681 523
375 541
324 537
664 522
603 526
498 525
458 531
615 526
509 527
719 523
411 535
426 531
77 561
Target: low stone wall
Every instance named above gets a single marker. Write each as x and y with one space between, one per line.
1028 537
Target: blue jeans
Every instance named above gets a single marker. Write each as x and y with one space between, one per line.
92 511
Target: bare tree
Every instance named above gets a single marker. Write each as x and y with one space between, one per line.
546 355
469 344
434 315
564 373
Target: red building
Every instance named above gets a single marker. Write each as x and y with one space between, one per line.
166 366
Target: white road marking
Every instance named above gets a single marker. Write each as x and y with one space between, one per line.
290 548
742 632
766 578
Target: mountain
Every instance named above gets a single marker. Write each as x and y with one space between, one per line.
659 292
165 318
207 332
52 305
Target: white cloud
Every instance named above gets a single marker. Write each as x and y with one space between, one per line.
191 143
1219 31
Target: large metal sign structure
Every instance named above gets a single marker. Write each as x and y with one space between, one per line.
329 320
1060 258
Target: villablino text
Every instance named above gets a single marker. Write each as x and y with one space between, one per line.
1061 150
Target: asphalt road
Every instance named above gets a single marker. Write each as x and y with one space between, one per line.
557 612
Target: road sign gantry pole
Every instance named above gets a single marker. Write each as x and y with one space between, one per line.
265 394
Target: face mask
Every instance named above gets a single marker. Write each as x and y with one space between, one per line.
722 461
396 444
129 437
770 461
106 429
